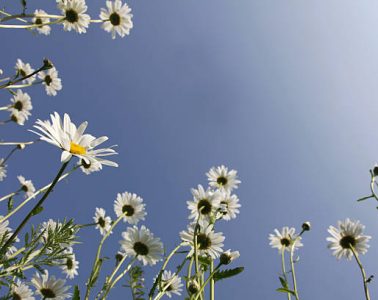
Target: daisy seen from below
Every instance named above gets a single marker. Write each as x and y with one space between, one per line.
23 70
26 186
221 178
285 240
170 284
209 243
3 169
50 288
21 103
21 291
69 265
51 81
41 22
229 205
74 15
348 235
71 139
131 206
142 244
103 223
117 18
205 203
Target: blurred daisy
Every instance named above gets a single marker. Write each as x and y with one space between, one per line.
5 234
171 284
50 288
3 169
285 240
93 166
205 203
103 223
193 287
27 186
348 234
69 265
73 141
131 206
24 69
21 291
18 117
209 243
51 81
41 21
74 15
21 103
142 244
117 18
221 178
229 205
227 257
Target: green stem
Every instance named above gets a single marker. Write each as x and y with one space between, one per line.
212 283
366 289
206 282
284 269
293 272
6 197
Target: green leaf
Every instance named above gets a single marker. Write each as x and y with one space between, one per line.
76 295
283 290
37 211
10 204
283 282
219 275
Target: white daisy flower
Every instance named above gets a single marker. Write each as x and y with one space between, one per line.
18 117
27 186
205 203
349 233
24 69
171 284
41 21
131 206
51 226
3 169
103 223
229 205
51 81
193 287
50 288
5 234
21 291
73 141
142 244
285 240
221 178
209 243
21 103
117 18
69 265
74 15
93 166
227 257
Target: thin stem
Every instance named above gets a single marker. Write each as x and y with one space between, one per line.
12 17
212 283
206 282
31 213
284 269
31 26
293 272
5 107
17 143
6 197
366 289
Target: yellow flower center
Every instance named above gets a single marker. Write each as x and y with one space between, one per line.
77 149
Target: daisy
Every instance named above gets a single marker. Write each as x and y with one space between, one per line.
21 291
51 81
93 166
70 264
171 284
285 240
209 243
21 103
193 287
221 178
5 234
205 203
131 207
18 117
142 244
3 169
24 70
103 223
73 141
27 186
41 21
74 15
50 288
117 18
348 235
228 256
229 205
47 227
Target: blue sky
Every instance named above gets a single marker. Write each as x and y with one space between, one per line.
283 91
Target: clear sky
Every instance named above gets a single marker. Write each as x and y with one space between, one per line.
283 91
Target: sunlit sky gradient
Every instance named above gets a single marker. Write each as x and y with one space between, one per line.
283 91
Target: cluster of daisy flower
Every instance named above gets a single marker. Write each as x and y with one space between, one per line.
116 18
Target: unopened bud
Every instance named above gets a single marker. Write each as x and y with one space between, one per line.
306 226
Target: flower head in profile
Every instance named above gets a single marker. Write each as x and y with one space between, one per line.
50 288
74 15
131 206
221 178
117 18
69 265
204 204
21 291
3 169
23 70
285 240
170 284
41 22
142 244
228 257
103 223
347 236
93 166
229 205
21 104
26 186
51 81
72 141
